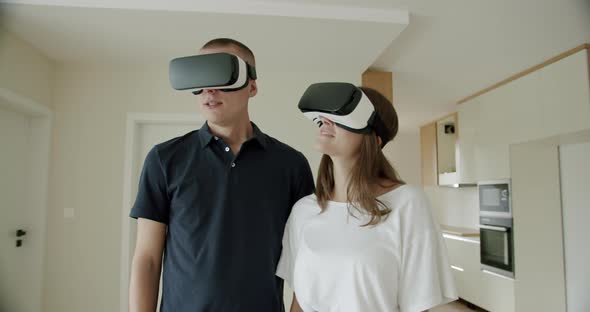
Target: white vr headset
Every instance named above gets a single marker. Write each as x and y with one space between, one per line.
344 104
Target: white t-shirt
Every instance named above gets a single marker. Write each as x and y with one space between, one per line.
335 264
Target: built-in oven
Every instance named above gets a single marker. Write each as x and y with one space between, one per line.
496 245
495 229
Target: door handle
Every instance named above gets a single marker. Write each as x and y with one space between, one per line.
20 233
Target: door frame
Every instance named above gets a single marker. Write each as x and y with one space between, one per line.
41 121
134 121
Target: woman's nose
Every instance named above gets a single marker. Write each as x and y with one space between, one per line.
326 121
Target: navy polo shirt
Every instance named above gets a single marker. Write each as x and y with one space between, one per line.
225 214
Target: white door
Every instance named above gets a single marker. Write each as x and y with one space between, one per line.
22 207
575 197
148 135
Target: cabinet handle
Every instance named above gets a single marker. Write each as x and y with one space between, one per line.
457 268
493 228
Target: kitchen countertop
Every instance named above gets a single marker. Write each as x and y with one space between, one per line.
469 239
460 233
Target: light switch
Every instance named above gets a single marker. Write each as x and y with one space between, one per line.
68 213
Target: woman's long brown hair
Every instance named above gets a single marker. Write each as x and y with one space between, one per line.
370 169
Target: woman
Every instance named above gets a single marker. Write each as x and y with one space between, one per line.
365 241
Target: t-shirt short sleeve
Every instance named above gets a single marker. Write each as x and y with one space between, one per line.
301 213
426 279
287 260
152 200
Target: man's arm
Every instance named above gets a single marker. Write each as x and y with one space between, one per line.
146 266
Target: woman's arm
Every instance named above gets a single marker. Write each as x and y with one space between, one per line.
295 305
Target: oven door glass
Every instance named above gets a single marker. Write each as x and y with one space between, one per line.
496 246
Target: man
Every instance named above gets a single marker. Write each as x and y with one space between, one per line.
214 203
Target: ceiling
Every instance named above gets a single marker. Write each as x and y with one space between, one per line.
449 49
284 36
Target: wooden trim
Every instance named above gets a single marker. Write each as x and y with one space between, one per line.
528 71
441 118
379 80
428 155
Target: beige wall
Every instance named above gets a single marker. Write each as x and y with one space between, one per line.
404 155
24 70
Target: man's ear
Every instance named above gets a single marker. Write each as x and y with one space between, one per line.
252 88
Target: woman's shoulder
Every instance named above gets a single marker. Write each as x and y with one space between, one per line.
408 201
404 194
305 207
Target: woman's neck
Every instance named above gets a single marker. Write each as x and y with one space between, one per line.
342 173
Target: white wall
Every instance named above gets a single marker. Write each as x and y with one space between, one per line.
575 184
404 154
24 70
88 151
455 206
26 86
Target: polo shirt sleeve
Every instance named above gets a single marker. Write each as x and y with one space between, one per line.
152 200
426 279
303 184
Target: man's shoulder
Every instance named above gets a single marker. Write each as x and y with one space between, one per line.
178 145
283 148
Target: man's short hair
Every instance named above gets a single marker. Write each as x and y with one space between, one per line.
222 42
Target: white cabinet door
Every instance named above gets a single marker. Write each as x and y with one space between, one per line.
525 110
493 137
551 101
464 260
467 141
497 293
470 254
565 100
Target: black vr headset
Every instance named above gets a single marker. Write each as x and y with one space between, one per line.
223 71
344 104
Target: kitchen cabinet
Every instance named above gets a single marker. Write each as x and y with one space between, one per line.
551 100
497 292
489 291
467 143
446 145
464 261
428 154
438 142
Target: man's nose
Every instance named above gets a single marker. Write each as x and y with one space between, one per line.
210 91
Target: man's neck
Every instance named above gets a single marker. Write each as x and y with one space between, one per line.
234 135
